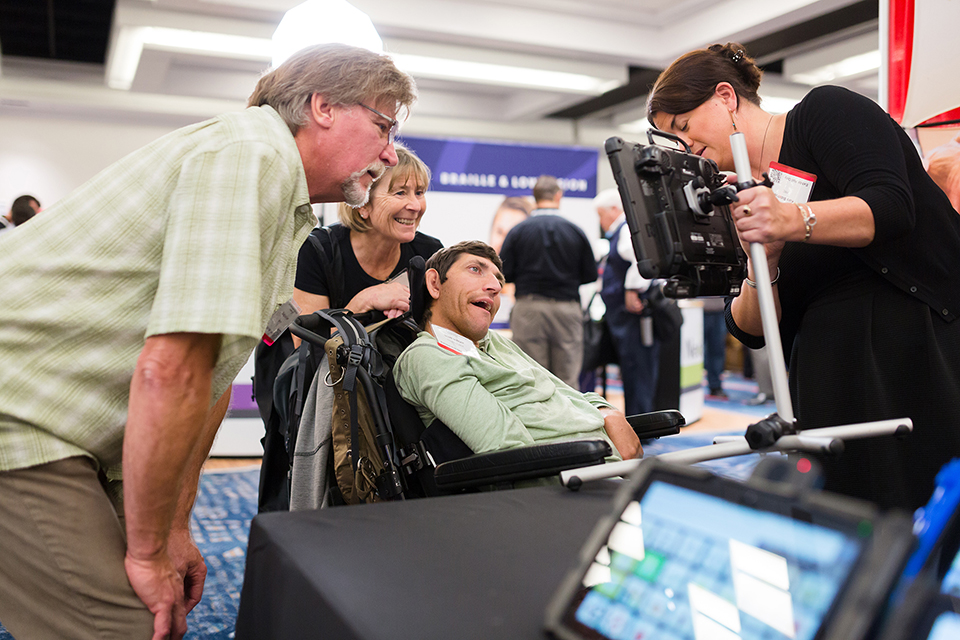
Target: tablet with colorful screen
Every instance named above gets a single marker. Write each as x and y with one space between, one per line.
687 555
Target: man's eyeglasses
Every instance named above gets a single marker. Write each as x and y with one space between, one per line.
394 124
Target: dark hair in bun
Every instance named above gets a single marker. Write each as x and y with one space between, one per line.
693 78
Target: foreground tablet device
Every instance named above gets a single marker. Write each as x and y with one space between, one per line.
685 554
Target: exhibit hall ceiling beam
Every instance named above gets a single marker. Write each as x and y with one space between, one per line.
138 25
649 40
641 79
740 21
510 28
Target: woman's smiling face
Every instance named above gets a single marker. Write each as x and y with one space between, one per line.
396 207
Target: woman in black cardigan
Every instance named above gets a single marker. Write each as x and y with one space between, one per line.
867 271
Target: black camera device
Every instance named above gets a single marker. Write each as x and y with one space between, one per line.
677 209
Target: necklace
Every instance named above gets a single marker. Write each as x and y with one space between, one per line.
763 145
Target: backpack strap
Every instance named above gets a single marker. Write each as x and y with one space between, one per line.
355 357
302 384
332 261
313 337
356 354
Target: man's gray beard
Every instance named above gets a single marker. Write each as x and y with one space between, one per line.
356 195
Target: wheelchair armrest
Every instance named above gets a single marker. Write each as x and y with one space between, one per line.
657 423
521 463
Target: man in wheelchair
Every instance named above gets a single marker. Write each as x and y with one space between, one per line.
479 383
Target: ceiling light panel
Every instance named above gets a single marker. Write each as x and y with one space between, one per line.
486 73
845 59
131 42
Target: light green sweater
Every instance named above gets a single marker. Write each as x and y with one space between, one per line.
498 400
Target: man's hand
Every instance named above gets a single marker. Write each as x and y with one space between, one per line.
165 437
622 434
158 584
189 564
633 301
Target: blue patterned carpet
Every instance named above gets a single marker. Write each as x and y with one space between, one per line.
739 390
738 468
226 502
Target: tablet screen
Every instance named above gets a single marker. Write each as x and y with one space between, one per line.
681 563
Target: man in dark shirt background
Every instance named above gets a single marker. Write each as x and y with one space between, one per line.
22 209
548 258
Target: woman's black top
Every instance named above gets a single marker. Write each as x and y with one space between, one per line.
870 333
334 271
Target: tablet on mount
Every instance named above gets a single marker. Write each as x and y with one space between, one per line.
677 209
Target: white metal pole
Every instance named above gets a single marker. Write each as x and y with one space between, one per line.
768 310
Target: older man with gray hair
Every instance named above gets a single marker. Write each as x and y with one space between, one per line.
118 345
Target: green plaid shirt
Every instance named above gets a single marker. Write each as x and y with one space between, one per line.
196 232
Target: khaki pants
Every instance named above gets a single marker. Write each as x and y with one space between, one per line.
550 332
61 557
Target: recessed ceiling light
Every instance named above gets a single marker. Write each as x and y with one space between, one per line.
486 73
846 68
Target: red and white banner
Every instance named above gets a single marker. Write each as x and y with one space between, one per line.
923 61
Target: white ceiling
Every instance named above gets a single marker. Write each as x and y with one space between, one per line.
600 38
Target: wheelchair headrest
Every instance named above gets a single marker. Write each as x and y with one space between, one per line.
416 278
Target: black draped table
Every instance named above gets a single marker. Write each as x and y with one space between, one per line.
470 566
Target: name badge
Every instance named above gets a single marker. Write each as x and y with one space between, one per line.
454 342
281 319
791 185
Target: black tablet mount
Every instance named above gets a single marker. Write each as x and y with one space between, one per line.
677 209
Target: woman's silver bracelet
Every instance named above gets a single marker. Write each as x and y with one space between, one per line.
809 219
753 284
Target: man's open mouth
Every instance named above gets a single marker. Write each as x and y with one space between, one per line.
486 306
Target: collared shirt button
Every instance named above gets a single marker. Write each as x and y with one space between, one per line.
883 270
945 312
913 289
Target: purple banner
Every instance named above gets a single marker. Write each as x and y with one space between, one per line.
241 398
468 166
